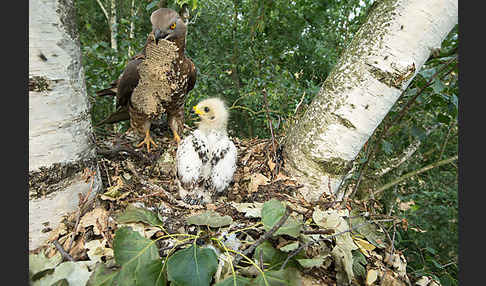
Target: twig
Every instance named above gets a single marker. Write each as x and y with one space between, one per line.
265 236
61 250
318 231
413 173
300 102
82 203
446 139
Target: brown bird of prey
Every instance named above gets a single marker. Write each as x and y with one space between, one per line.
156 80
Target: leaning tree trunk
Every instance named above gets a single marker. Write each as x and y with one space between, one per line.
384 56
61 142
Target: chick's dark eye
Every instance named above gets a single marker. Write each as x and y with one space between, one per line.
206 109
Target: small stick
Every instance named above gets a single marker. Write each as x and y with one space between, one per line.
61 250
265 236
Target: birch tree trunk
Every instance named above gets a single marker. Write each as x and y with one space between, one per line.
113 25
378 65
61 142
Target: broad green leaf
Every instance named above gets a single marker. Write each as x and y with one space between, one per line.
290 247
62 282
284 277
272 211
272 258
235 281
311 262
134 214
75 273
39 262
102 276
192 266
359 263
133 252
210 218
152 274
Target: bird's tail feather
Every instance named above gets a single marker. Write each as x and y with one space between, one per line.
119 115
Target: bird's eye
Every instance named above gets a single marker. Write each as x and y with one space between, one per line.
173 26
206 109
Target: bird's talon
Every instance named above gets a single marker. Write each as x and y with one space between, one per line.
147 141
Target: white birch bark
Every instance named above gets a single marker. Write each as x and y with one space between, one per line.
383 57
59 121
113 27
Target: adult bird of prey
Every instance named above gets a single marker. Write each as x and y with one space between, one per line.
206 158
156 80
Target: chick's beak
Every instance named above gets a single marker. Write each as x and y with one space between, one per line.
197 110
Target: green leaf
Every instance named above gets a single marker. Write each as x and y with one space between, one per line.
134 214
75 273
272 211
438 86
418 132
152 274
192 266
443 118
284 277
311 262
387 147
39 263
134 253
359 263
151 5
62 282
271 256
210 218
235 281
102 276
290 247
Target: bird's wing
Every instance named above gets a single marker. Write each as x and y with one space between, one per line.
192 154
191 73
223 163
128 81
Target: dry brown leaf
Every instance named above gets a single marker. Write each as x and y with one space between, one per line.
371 277
390 280
58 232
255 181
406 205
90 219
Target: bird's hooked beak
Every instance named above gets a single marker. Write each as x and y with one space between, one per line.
158 34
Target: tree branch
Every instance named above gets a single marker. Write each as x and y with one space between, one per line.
104 11
265 236
407 154
413 173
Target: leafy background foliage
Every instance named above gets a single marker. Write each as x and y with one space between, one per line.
287 48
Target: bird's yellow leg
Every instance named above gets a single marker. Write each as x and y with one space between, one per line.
177 138
147 141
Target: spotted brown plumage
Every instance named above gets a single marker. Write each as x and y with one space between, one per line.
156 80
206 158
